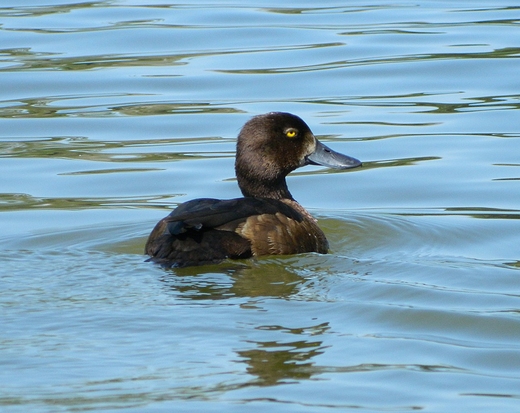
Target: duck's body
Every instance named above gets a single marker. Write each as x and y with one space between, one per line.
267 221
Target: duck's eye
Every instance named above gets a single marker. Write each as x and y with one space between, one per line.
291 133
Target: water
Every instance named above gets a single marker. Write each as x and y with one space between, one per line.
113 112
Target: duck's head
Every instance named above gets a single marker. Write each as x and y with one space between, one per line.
270 146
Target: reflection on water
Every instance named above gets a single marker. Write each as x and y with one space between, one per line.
106 151
14 202
112 113
55 108
245 279
273 365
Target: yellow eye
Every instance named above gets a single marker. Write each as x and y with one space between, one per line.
291 133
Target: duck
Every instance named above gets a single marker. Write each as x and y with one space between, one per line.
267 220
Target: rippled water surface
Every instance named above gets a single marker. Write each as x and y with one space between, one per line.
114 112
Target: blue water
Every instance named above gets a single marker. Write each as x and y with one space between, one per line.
114 112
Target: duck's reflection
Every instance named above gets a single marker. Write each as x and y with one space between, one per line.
273 362
287 353
270 278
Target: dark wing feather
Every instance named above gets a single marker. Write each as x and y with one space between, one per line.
202 231
214 213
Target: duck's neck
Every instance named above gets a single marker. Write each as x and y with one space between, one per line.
276 189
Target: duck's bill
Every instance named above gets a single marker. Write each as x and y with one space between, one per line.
325 156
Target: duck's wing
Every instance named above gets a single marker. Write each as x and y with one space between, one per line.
207 230
207 213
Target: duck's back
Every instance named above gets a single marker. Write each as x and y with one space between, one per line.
205 231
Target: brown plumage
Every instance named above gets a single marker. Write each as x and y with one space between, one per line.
267 221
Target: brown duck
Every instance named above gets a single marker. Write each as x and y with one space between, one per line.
267 221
